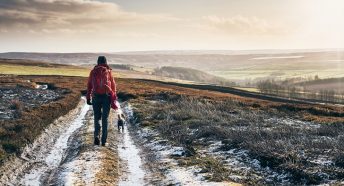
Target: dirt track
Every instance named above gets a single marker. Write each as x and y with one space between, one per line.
64 155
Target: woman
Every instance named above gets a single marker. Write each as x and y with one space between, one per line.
102 88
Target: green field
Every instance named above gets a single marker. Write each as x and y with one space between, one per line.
36 70
29 69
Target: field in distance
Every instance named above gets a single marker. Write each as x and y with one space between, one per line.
240 66
166 74
32 67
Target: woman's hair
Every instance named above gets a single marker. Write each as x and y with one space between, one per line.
101 60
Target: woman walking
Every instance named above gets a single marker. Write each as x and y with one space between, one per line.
102 88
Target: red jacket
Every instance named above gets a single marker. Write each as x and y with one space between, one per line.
90 89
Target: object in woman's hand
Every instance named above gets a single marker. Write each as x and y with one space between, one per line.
89 102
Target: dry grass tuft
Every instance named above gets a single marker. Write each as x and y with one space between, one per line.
279 139
29 123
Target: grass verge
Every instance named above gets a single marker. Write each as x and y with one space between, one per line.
281 140
22 130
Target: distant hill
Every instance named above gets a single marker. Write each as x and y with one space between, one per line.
336 84
205 61
190 75
243 67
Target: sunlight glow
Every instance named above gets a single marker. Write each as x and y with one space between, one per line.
325 21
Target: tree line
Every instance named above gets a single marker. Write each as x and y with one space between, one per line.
286 90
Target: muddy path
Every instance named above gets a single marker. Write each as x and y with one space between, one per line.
64 154
44 156
130 161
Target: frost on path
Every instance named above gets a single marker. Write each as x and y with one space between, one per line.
130 154
52 160
83 169
42 159
175 174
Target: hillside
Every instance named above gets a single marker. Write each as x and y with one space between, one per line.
191 75
336 84
205 61
234 65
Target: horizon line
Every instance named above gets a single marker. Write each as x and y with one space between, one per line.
178 50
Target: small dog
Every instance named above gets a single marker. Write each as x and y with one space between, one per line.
120 121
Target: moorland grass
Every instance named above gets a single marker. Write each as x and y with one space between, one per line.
265 133
209 111
26 126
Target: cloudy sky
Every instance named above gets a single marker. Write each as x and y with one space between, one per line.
127 25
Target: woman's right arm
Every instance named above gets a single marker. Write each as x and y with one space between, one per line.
89 86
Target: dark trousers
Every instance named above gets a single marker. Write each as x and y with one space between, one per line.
101 109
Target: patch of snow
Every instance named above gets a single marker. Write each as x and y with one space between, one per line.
214 145
33 178
175 175
292 122
178 151
157 101
322 160
236 178
84 168
128 152
128 110
240 162
255 163
42 87
186 176
55 155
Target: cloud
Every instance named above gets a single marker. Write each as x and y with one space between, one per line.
240 25
68 16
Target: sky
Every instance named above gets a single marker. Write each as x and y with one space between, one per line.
140 25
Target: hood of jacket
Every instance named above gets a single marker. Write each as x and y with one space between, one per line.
102 66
